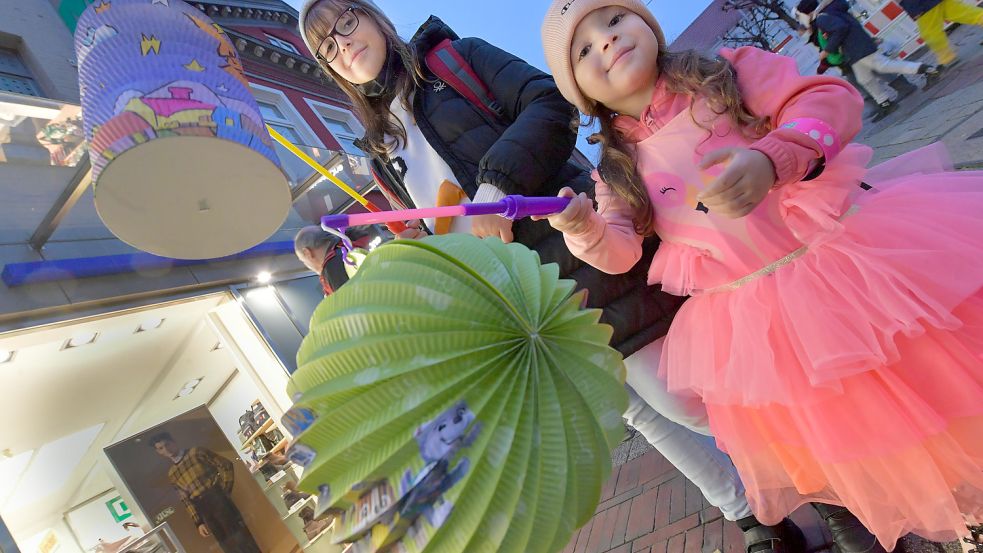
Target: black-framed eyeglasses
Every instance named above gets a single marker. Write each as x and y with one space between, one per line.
346 24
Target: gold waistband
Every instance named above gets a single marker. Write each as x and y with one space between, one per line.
770 268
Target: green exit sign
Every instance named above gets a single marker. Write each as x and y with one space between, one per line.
118 509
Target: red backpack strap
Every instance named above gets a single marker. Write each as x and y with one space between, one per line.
449 66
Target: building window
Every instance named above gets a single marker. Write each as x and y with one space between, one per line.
14 76
282 44
341 123
275 118
343 133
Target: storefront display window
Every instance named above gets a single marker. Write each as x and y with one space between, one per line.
190 381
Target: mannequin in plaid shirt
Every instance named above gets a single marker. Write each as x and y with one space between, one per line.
204 481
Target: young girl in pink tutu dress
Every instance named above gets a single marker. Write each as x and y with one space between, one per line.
835 329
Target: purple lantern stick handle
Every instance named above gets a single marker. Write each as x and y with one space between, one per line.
510 207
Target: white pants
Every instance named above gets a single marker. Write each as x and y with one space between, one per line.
865 70
678 428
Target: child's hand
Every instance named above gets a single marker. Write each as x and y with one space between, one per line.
484 226
743 184
575 217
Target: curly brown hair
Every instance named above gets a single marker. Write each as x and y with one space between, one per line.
687 72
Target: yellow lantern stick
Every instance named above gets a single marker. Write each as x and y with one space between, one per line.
394 227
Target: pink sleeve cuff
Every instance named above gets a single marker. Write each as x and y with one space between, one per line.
793 154
780 156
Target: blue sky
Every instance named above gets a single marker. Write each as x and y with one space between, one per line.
513 25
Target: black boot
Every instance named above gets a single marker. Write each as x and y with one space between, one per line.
883 110
785 537
849 534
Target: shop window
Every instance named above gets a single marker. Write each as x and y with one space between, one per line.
14 75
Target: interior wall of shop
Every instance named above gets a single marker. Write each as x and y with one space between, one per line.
231 403
92 521
253 357
66 542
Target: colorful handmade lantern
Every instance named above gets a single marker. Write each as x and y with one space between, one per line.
455 396
182 164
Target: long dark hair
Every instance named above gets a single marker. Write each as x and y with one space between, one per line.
686 72
373 111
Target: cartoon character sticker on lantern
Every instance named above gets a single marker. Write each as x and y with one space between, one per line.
379 519
439 441
297 420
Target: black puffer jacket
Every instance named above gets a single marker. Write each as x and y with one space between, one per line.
527 153
844 32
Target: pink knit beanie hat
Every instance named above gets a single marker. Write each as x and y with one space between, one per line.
558 27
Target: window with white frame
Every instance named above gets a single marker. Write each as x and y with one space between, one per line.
14 75
282 44
276 119
343 133
342 124
280 114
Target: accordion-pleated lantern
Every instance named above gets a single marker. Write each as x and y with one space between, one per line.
182 164
454 396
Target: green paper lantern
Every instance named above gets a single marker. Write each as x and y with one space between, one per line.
454 396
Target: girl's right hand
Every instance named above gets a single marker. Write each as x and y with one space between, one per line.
575 218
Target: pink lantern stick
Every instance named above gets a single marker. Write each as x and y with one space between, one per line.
510 207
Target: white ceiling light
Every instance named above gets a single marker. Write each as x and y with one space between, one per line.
149 324
6 356
263 277
189 387
82 339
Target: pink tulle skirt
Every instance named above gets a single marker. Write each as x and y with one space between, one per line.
853 374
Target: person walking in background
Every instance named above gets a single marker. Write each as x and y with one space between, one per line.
931 15
845 35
